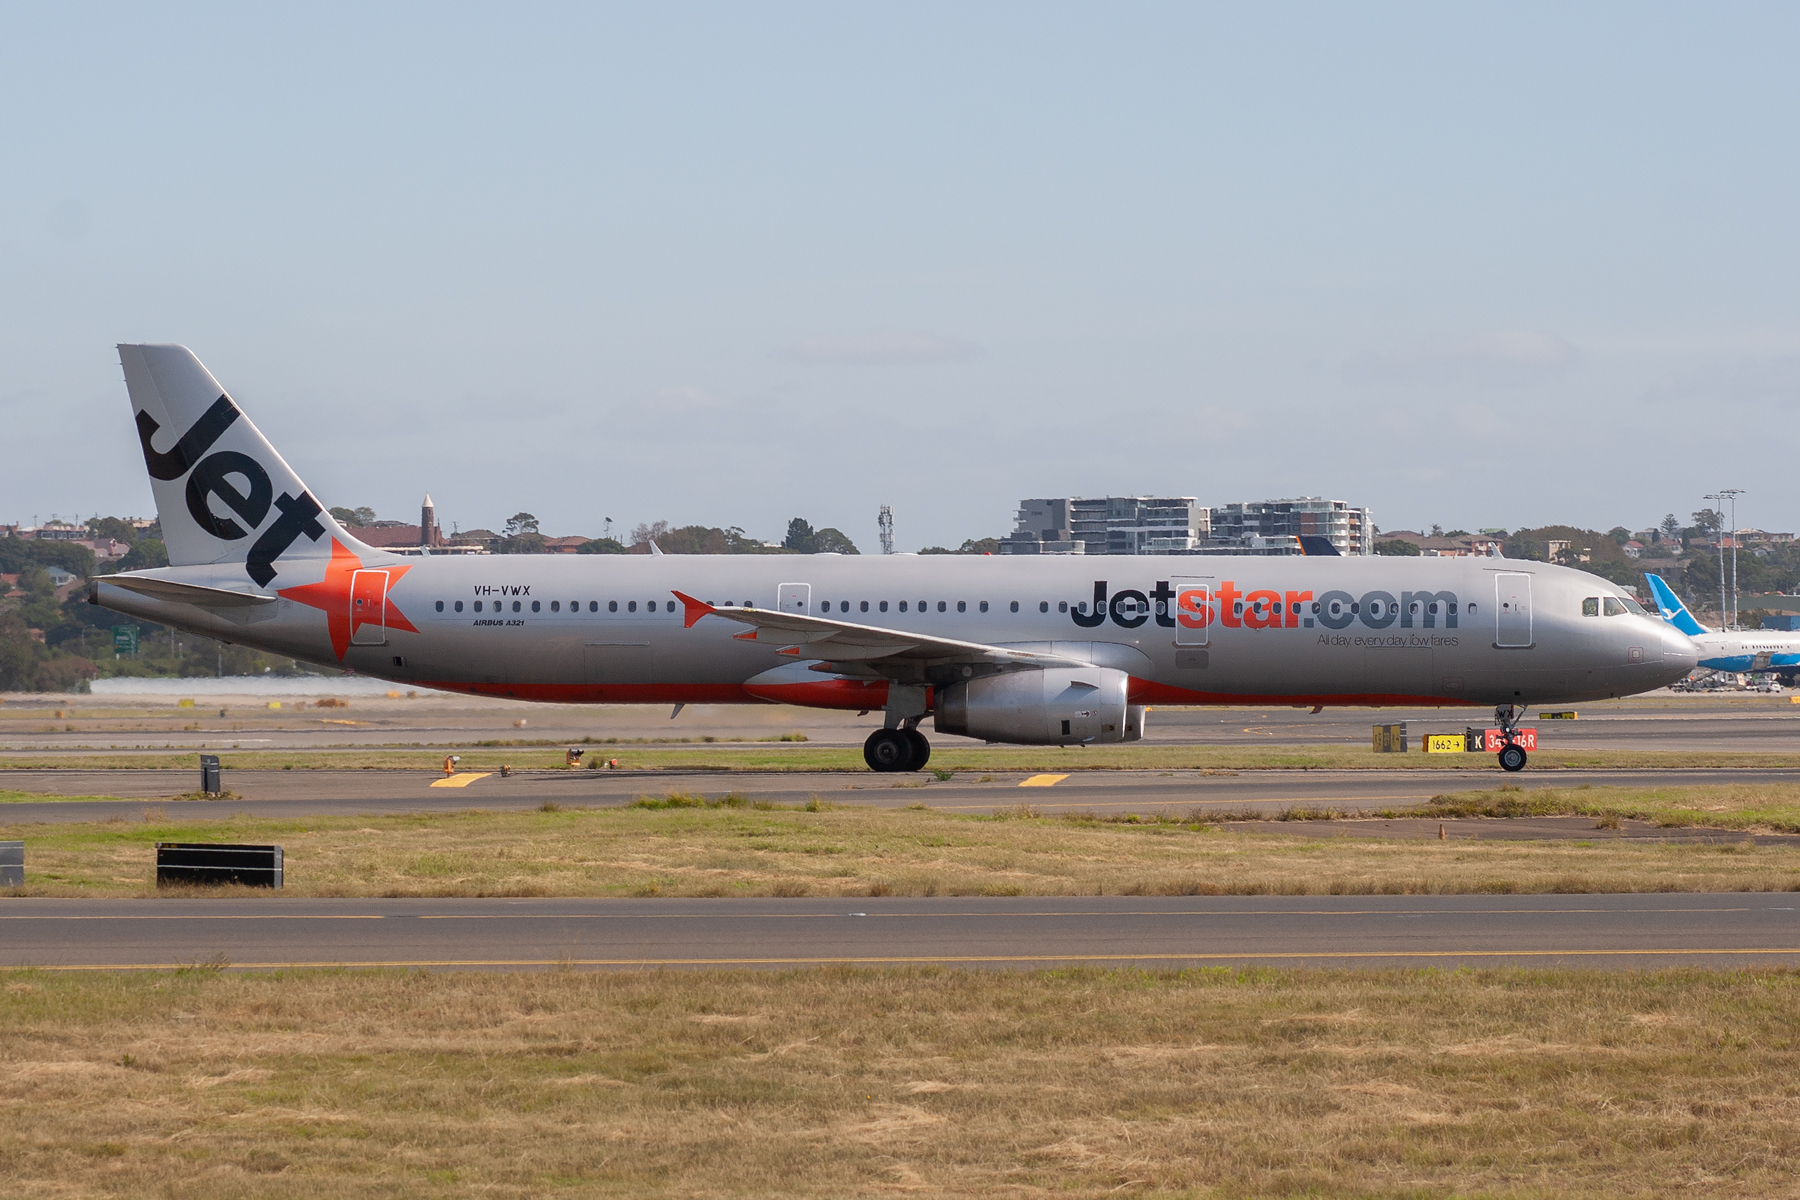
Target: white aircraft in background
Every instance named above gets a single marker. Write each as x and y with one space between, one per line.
1040 650
1729 650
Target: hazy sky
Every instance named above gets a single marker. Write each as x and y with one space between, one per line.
733 263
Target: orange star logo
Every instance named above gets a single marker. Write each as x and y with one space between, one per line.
350 603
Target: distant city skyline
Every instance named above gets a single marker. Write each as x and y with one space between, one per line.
1473 265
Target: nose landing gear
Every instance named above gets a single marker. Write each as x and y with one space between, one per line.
1512 755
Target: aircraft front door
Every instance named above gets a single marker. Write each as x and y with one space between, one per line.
1512 609
368 608
1193 609
794 598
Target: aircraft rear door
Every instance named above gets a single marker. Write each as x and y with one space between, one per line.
1193 609
368 608
794 598
1512 610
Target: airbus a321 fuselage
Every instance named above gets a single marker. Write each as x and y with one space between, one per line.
1042 650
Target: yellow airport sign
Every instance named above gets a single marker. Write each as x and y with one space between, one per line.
1445 743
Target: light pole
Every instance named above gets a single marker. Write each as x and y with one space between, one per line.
1732 494
1721 540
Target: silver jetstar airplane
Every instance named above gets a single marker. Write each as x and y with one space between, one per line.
1047 650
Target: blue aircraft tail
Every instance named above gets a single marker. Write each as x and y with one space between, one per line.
1672 609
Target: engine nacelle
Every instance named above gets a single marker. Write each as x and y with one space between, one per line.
1054 706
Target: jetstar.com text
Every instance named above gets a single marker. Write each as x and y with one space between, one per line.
1234 607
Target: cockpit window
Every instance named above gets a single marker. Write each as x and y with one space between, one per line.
1590 607
1615 607
1634 608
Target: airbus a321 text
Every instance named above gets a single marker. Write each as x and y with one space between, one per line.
1040 650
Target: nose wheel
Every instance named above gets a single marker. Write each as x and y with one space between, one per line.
1512 755
896 750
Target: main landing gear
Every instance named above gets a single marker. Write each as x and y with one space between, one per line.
896 750
898 745
1512 755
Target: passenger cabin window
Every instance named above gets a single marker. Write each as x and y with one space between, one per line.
1062 606
941 606
631 606
478 606
1615 607
961 606
612 606
1590 607
865 606
884 606
903 606
459 606
1043 606
593 606
1015 606
556 606
517 603
534 606
440 606
984 606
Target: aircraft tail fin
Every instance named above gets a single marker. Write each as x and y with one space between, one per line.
223 495
1672 609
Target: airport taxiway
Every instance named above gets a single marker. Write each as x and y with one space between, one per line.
1611 931
1207 794
40 722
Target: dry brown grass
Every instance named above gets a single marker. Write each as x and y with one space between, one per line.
1767 806
935 1082
852 850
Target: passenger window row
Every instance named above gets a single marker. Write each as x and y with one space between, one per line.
825 606
593 606
962 606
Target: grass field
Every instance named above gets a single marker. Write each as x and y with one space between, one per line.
776 756
1772 807
680 846
199 1083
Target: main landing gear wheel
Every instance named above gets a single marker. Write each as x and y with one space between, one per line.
1512 758
889 750
921 749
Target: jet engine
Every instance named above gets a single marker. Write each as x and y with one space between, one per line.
1053 706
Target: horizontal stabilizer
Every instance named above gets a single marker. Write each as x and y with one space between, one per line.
182 593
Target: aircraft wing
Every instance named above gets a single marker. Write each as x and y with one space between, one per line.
844 642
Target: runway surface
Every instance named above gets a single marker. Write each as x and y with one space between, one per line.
1656 930
1210 794
1726 721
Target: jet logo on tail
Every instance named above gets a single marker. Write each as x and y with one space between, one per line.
214 475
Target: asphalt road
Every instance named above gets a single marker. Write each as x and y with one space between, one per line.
1341 931
311 793
88 725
